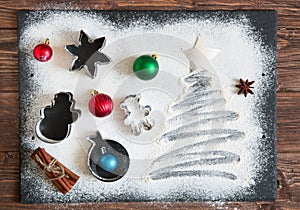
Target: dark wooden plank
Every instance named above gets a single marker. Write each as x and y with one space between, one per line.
9 136
9 191
8 17
8 61
9 166
288 122
9 121
288 177
9 106
145 206
288 111
153 206
288 10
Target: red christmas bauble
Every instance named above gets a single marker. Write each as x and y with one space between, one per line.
43 52
101 105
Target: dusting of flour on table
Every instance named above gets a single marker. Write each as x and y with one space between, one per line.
241 56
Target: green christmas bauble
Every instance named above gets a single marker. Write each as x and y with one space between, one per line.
145 67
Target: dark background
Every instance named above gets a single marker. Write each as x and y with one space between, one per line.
288 95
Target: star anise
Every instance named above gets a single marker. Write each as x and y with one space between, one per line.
245 87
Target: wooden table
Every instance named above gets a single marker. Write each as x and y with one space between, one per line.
288 97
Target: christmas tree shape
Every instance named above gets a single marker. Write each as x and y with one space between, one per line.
197 123
56 119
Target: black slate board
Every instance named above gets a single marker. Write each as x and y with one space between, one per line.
263 22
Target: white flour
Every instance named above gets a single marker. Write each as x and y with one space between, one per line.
241 56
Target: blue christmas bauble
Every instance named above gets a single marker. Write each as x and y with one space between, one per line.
108 162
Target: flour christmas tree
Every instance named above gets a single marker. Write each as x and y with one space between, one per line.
196 124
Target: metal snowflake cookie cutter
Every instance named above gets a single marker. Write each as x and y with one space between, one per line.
102 150
88 54
137 116
56 119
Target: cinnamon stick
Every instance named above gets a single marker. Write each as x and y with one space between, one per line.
64 179
48 174
61 182
58 183
55 182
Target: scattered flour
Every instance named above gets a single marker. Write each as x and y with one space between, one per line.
241 56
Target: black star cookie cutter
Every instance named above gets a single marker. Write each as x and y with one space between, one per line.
88 54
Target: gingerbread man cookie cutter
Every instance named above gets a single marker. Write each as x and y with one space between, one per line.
137 116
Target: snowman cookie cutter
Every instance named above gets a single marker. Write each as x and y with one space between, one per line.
137 116
56 119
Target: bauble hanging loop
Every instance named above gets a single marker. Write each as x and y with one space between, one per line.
43 52
100 105
146 67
